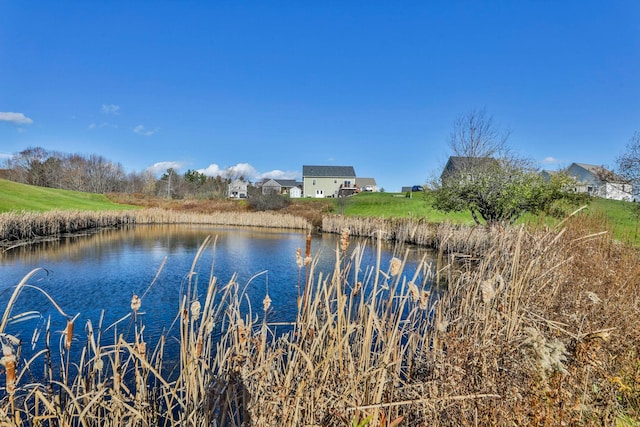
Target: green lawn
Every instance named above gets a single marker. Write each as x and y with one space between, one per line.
18 197
397 205
623 217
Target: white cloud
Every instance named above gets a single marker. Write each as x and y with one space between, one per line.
15 118
212 170
550 161
247 171
278 174
5 156
161 167
111 109
92 126
140 130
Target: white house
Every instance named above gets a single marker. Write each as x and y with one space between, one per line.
600 182
237 189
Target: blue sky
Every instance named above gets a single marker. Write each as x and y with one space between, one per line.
266 87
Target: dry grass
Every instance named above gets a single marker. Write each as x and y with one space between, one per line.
31 226
537 328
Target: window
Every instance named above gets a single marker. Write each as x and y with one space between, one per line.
314 182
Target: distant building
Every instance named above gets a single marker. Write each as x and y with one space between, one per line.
280 186
328 181
237 189
600 182
366 184
467 166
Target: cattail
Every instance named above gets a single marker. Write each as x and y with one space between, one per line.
209 325
195 309
307 253
344 239
356 289
488 291
142 348
414 291
266 302
68 334
242 332
9 362
199 347
395 266
424 299
299 261
136 302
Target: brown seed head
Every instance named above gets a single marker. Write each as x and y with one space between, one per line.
68 334
136 302
395 265
344 239
195 309
266 302
299 261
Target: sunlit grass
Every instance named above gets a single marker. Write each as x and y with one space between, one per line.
22 197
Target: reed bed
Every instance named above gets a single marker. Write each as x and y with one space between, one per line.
30 226
418 231
542 329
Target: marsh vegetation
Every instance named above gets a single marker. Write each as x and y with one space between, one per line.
528 327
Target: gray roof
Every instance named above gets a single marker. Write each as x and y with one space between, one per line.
361 182
286 182
328 171
457 163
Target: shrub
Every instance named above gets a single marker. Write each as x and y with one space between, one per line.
267 202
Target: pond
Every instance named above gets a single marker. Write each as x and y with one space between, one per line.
95 276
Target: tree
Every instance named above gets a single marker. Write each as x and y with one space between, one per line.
483 177
629 162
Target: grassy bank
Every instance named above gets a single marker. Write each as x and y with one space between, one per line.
537 328
21 197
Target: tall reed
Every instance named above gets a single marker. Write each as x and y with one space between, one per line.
538 328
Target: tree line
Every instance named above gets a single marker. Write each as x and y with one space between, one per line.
96 174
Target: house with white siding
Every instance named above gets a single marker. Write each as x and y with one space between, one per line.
600 182
237 189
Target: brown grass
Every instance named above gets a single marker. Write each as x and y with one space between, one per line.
31 226
537 328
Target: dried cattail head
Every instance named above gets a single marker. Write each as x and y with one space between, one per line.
98 364
299 261
266 302
242 332
307 253
488 291
395 266
344 239
356 289
68 334
199 347
414 291
195 309
210 324
142 348
424 299
9 361
136 302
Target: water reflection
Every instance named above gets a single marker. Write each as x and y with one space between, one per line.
101 271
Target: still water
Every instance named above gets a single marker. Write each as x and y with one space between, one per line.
96 275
